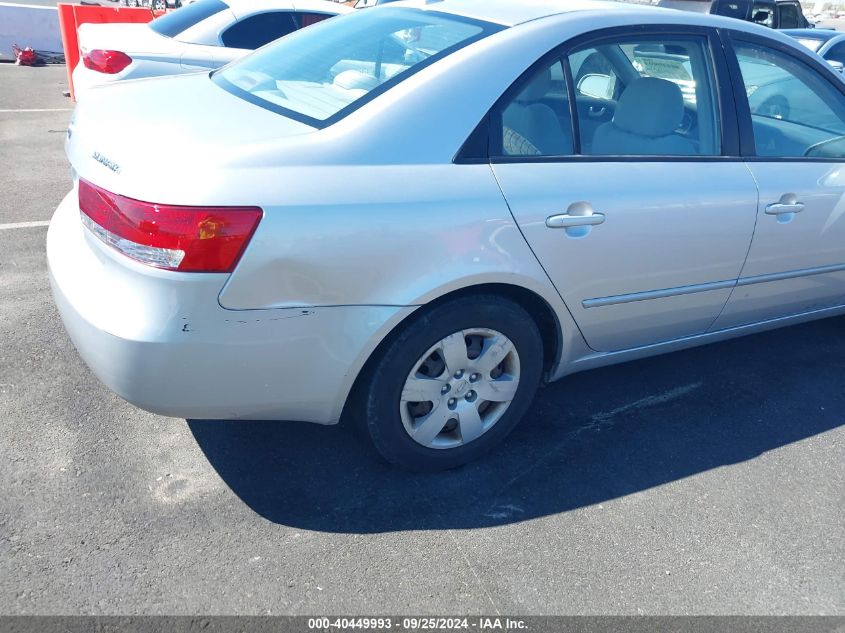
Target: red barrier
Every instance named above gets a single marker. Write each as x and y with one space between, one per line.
72 15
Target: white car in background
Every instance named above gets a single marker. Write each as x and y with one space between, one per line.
203 35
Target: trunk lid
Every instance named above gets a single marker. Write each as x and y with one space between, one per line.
128 38
176 140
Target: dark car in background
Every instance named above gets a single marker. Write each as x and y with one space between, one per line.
776 14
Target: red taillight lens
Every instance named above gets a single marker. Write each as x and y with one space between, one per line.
108 62
188 239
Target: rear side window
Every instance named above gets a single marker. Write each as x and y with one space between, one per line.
257 30
536 120
176 22
325 71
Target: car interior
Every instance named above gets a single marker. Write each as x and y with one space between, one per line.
647 98
635 98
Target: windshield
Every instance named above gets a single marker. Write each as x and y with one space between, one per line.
320 74
175 22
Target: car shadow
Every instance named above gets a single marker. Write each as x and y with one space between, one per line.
589 438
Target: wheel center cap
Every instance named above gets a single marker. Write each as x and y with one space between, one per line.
461 387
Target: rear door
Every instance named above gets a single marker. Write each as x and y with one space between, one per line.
626 181
793 112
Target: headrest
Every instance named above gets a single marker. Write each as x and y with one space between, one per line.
537 88
650 107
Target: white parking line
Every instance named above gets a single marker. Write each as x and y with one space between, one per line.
37 110
23 225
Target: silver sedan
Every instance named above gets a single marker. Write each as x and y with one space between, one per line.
410 217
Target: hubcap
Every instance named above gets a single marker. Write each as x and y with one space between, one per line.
460 388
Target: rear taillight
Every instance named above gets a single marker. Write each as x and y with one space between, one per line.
188 239
108 62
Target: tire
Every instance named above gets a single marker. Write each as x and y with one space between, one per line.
487 328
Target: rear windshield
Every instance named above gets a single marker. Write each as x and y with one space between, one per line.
320 74
173 23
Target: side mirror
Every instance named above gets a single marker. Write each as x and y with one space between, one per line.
597 86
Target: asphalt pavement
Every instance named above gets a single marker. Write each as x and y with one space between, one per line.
709 481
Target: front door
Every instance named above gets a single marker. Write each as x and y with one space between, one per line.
797 259
640 219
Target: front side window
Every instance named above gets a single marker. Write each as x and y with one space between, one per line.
795 111
326 70
647 97
173 23
790 18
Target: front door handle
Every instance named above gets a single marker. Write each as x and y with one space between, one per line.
779 208
788 203
577 221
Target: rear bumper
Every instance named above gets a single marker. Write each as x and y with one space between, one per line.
161 340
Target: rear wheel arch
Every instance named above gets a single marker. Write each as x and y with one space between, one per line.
536 306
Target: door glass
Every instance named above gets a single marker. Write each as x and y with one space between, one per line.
795 111
535 120
260 29
789 18
642 96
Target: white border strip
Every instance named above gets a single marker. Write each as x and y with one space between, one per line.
37 110
28 6
23 225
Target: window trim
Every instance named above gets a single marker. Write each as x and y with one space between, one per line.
723 99
748 145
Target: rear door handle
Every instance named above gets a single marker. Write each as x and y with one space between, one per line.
565 221
577 221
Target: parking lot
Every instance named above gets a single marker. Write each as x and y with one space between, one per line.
704 482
